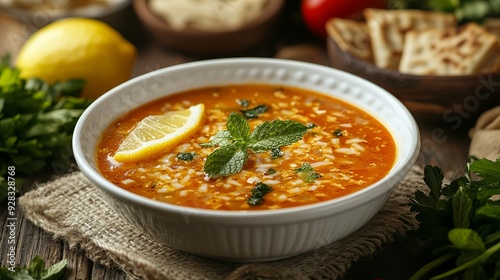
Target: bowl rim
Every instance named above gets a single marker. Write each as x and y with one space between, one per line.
244 216
25 14
272 8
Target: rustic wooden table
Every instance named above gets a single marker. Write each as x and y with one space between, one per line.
442 144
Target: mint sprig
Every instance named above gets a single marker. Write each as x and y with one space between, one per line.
236 142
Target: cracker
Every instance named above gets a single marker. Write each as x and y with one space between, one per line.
387 29
448 51
351 36
492 25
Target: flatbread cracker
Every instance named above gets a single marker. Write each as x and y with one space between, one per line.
351 36
387 29
448 51
492 25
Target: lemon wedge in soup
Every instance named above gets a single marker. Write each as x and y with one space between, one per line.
159 133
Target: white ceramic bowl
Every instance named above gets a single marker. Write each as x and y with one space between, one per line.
247 235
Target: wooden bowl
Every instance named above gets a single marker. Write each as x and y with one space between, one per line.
37 15
448 98
221 43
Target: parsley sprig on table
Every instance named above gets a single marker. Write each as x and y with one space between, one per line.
236 142
36 124
462 221
35 271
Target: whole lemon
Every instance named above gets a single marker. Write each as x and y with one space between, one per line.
78 48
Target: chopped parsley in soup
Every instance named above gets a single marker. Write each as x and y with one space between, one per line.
257 147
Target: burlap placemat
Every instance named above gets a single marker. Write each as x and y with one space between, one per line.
485 135
71 208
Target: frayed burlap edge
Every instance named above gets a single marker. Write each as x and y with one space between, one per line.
71 209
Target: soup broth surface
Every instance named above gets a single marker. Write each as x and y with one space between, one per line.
347 148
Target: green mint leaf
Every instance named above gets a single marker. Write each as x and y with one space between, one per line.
307 173
238 127
255 112
463 209
274 134
225 161
221 138
234 142
258 193
186 156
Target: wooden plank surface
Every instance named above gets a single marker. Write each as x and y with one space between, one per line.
396 261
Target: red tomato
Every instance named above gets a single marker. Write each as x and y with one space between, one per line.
315 13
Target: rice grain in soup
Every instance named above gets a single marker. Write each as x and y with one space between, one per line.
344 150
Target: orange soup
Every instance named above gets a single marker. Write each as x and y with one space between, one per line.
343 150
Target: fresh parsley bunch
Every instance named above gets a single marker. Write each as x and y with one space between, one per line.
235 142
462 221
36 124
465 10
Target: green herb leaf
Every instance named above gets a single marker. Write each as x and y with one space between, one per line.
225 161
221 138
36 123
243 102
464 10
338 132
36 267
487 169
238 127
35 271
276 153
186 156
307 173
232 154
462 209
466 239
258 193
271 171
466 211
56 271
491 211
433 178
272 135
255 112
